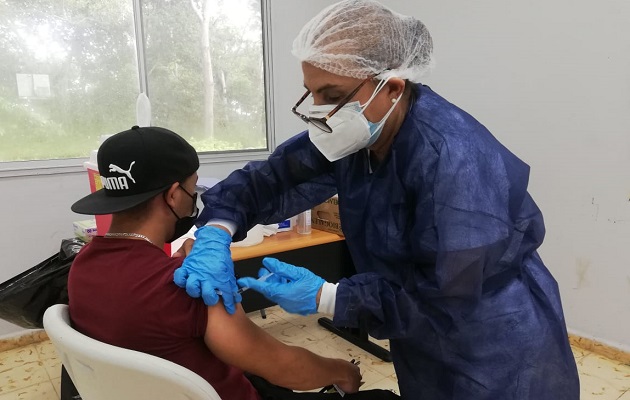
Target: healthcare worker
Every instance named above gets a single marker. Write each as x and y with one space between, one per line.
435 212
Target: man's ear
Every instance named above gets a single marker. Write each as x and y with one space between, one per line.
169 194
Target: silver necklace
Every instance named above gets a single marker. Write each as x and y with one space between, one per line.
125 234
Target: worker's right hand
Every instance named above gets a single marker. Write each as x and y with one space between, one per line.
208 271
292 288
351 380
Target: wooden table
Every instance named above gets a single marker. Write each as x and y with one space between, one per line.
324 253
284 241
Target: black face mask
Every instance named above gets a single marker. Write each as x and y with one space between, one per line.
183 225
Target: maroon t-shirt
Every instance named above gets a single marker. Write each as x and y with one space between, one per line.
122 292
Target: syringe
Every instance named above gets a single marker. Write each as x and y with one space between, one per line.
261 279
241 290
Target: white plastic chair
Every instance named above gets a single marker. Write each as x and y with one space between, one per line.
104 372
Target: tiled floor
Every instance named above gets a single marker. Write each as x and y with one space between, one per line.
32 371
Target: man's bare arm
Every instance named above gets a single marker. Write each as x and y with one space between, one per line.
239 342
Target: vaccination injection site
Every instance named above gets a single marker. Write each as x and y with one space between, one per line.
324 199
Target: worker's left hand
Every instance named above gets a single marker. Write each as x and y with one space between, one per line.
292 288
208 271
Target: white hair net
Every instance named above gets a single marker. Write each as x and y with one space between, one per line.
359 38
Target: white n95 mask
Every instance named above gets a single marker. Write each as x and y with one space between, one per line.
351 131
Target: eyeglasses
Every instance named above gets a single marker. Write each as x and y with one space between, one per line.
322 122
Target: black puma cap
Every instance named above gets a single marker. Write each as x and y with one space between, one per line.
136 165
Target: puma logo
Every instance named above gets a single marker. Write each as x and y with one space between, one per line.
116 168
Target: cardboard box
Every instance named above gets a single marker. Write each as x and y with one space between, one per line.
325 216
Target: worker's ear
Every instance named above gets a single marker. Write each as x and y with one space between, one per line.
395 87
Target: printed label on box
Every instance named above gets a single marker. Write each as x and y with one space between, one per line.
325 216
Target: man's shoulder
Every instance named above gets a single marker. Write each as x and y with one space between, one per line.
132 258
136 281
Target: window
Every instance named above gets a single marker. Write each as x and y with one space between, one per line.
205 71
69 73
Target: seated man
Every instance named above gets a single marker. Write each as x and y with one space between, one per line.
121 286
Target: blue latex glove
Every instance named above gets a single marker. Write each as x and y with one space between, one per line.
292 288
209 269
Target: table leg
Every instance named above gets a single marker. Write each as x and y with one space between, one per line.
358 337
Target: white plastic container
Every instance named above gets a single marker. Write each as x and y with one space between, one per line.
303 225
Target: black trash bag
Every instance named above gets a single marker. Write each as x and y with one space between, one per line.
24 298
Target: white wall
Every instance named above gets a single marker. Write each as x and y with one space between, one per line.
550 79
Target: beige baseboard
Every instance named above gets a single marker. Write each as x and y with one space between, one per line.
39 335
29 337
599 348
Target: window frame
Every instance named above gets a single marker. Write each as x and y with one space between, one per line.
10 169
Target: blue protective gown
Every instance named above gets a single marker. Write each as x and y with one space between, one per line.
443 234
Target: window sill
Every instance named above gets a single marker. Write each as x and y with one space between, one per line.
75 165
